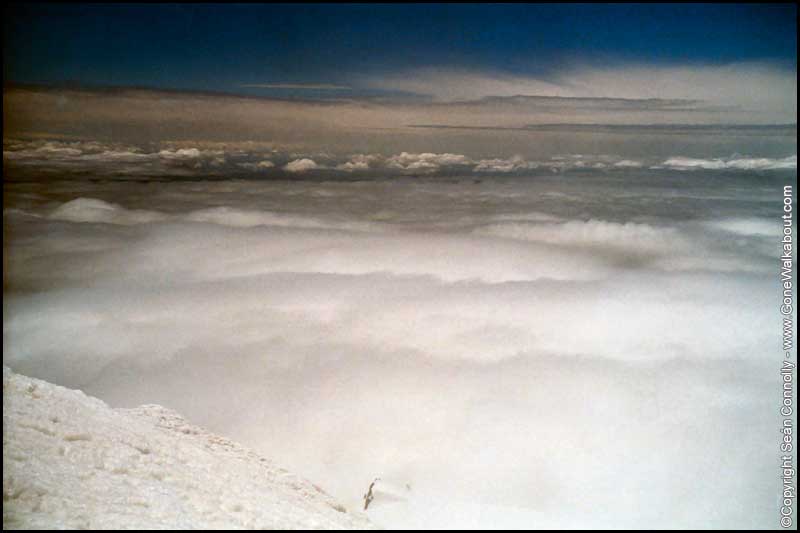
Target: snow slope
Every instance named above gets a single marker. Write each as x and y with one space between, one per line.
70 461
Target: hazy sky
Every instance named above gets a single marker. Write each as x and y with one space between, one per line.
478 81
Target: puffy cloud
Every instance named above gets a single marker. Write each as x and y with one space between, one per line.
514 164
111 158
181 153
736 163
631 239
426 162
93 210
301 165
359 162
220 160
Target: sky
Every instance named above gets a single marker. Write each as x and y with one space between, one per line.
229 47
341 86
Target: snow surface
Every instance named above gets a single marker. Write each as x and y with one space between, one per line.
71 461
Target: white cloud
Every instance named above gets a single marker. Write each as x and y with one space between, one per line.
736 163
181 153
301 165
93 210
627 163
359 162
122 160
532 327
426 162
513 164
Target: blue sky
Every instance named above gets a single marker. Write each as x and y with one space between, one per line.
225 47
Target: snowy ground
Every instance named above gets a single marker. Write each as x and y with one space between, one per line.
70 461
583 349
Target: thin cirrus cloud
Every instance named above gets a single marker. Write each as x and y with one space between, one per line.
751 87
298 86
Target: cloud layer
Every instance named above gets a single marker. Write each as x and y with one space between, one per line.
77 158
484 344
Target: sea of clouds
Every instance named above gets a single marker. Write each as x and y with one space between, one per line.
565 351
